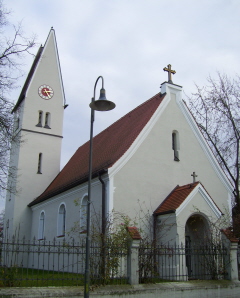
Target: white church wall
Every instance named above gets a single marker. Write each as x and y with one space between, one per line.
72 200
166 229
32 145
151 173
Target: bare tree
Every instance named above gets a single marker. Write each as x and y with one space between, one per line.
216 108
12 50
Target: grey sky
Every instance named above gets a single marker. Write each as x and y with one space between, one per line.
129 42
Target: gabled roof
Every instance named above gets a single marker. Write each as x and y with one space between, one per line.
108 147
175 198
182 195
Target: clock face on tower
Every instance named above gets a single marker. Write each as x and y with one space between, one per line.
45 91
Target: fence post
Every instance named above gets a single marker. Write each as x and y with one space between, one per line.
133 256
232 243
233 261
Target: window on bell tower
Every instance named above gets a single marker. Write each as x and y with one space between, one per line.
40 114
39 170
47 120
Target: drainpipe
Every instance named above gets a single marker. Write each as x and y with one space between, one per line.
154 228
103 205
103 248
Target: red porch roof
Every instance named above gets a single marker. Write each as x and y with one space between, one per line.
175 198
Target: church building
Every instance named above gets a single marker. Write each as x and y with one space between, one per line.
154 157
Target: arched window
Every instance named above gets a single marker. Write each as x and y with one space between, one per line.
175 145
41 226
40 114
83 214
61 221
39 170
47 120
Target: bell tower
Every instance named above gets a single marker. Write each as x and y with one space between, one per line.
35 157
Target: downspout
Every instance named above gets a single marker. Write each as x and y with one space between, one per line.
155 239
154 228
103 234
103 205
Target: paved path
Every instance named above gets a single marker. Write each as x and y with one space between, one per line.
199 289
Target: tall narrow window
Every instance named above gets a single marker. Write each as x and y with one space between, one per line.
47 120
61 221
175 145
41 226
40 114
39 170
83 215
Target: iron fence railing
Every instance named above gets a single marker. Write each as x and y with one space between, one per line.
178 262
62 263
59 263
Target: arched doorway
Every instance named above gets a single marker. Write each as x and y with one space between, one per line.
197 229
197 233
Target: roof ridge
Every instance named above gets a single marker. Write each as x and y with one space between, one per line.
189 185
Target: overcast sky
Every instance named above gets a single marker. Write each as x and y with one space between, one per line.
129 42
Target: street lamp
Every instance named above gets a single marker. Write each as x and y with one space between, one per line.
102 104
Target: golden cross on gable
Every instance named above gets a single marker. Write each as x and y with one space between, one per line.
170 72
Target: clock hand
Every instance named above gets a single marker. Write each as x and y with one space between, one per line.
47 92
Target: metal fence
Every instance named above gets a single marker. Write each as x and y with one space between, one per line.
60 263
178 262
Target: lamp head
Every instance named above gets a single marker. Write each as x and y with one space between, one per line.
102 104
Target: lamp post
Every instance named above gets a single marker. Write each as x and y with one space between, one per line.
102 104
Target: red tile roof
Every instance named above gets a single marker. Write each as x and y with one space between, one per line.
230 235
108 147
175 198
134 233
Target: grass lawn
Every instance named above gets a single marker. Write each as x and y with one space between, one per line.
22 277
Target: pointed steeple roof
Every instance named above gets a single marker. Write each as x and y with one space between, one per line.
50 39
108 147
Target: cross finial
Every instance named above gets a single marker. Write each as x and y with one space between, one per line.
170 72
194 176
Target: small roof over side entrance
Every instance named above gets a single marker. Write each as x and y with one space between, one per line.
180 204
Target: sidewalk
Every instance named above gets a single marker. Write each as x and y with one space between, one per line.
205 289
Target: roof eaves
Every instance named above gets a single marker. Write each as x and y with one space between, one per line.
28 79
165 212
65 187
